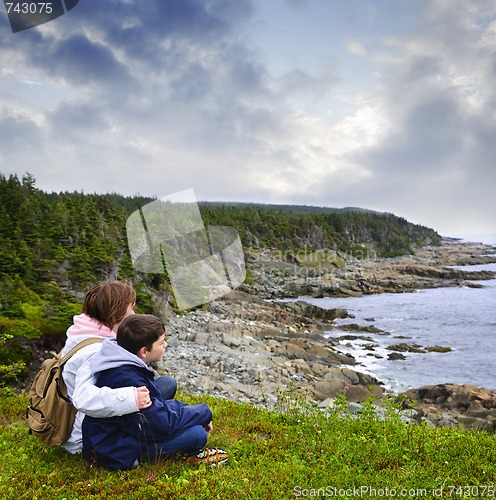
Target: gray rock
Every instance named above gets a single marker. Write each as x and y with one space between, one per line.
350 375
354 408
357 393
395 356
475 423
173 343
324 389
293 351
231 340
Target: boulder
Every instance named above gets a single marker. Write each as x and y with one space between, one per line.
350 375
293 351
328 388
475 423
357 393
468 400
231 340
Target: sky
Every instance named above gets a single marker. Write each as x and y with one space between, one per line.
381 104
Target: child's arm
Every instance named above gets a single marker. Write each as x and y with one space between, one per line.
101 402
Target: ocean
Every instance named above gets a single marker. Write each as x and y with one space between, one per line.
463 319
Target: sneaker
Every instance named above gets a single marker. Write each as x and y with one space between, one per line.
209 456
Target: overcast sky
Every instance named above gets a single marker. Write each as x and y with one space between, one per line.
388 105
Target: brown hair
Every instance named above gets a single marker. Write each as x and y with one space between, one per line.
107 302
139 330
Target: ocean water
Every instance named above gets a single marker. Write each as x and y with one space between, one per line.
463 319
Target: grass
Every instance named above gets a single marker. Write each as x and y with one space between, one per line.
274 455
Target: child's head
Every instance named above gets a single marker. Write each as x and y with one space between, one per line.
143 335
109 302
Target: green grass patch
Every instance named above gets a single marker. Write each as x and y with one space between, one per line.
273 456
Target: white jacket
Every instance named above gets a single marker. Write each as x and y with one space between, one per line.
86 397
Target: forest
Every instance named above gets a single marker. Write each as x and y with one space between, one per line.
53 246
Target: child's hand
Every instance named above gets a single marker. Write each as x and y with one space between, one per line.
143 397
209 427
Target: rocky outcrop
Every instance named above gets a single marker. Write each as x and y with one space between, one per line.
404 347
464 406
247 349
428 268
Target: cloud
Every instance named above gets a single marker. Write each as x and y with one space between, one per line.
156 97
170 85
304 86
18 133
356 48
80 61
436 98
298 4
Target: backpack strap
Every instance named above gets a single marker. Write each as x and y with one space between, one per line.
79 346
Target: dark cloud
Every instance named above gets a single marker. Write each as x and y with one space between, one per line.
481 151
82 62
192 84
153 65
428 140
156 35
151 31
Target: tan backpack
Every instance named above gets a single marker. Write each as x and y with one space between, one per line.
50 413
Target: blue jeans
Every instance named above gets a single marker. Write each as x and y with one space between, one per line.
189 442
167 386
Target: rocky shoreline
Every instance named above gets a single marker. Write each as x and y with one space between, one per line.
249 348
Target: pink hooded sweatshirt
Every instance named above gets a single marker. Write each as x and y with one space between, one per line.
89 327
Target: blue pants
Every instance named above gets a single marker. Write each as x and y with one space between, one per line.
167 386
189 442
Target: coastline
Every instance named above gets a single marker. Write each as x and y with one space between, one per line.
418 338
248 347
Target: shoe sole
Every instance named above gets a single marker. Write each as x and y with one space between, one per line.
214 458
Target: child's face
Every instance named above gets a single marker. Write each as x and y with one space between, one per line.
157 351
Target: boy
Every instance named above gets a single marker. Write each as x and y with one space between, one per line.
161 430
